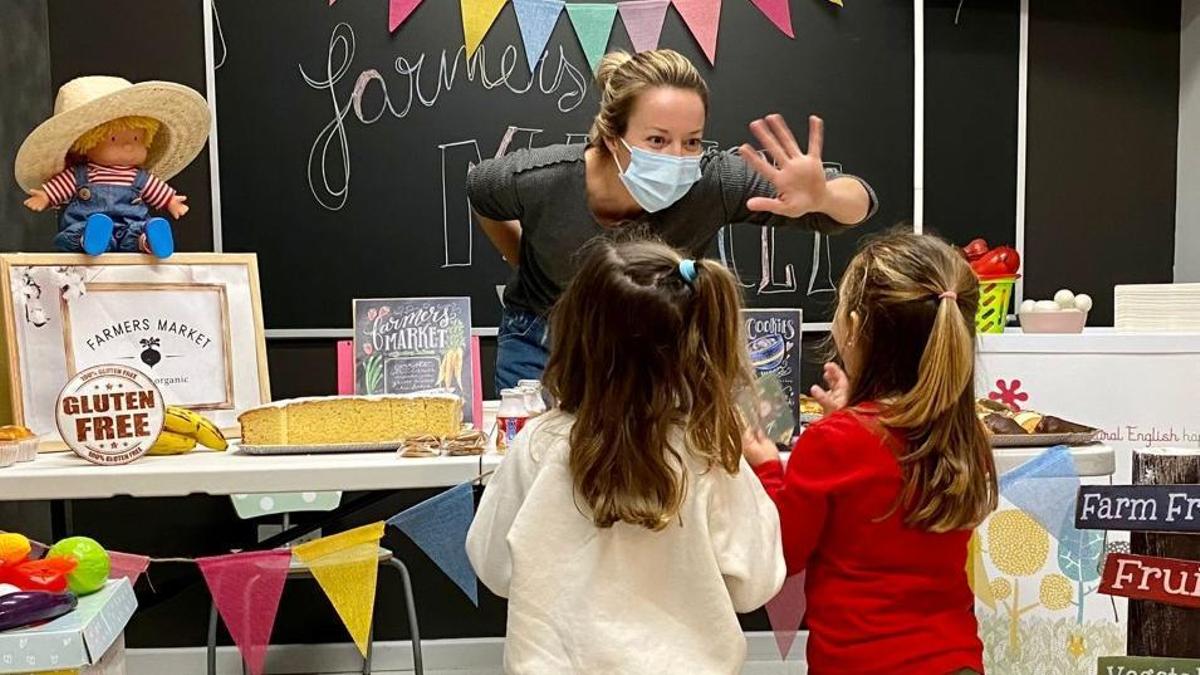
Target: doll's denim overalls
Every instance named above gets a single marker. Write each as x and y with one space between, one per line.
121 203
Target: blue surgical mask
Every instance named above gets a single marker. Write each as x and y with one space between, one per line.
656 181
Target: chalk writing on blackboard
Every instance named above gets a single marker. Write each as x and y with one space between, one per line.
458 158
331 145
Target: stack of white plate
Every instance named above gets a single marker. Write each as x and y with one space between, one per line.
1158 308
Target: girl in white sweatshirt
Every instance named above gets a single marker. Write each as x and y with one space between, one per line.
624 527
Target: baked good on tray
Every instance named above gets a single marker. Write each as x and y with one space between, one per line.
352 419
1000 420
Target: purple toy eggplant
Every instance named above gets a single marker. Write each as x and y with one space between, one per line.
24 608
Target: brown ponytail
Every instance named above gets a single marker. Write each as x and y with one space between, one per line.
916 299
648 363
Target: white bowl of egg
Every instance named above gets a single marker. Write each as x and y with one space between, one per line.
1066 313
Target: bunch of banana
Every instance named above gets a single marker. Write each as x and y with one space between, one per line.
183 429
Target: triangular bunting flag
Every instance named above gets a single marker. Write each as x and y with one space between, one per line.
703 18
439 527
837 2
643 21
127 565
1045 487
398 12
593 24
977 577
536 18
346 565
478 16
246 588
777 11
786 611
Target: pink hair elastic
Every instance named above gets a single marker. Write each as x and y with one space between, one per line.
948 295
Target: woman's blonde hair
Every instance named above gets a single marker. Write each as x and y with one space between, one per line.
639 354
92 138
622 77
916 298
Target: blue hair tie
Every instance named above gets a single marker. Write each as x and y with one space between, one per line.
687 270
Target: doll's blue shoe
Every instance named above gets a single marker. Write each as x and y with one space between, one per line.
159 238
97 234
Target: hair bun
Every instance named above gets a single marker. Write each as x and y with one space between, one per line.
609 65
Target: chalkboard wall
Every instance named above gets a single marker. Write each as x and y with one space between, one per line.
369 200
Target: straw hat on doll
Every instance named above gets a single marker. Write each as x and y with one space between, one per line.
87 102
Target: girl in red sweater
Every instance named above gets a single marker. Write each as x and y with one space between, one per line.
879 498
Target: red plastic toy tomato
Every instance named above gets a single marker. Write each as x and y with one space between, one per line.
975 250
997 262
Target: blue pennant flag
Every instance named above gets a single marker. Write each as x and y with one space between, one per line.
439 527
1045 487
536 18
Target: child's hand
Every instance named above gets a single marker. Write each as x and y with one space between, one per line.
838 394
176 207
38 201
757 448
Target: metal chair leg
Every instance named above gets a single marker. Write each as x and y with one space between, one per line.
212 639
366 670
413 628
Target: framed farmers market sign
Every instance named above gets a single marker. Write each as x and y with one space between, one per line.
192 324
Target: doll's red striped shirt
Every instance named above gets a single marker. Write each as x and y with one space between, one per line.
61 188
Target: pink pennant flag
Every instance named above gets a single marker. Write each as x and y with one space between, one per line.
703 18
778 12
786 611
246 588
127 565
643 21
398 11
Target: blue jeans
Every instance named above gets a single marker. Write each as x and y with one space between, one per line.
522 349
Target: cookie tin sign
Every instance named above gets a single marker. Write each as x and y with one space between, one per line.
110 414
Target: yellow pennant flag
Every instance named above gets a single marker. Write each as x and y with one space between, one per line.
977 575
478 16
346 565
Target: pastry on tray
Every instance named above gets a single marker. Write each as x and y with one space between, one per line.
1001 425
1000 420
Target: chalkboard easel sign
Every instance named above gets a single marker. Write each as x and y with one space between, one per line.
407 345
773 337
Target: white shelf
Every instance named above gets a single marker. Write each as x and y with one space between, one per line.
65 476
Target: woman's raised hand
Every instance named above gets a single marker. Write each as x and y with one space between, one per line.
798 176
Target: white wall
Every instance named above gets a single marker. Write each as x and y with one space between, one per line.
1187 212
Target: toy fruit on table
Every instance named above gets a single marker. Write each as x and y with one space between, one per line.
92 561
27 607
183 429
47 574
14 548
